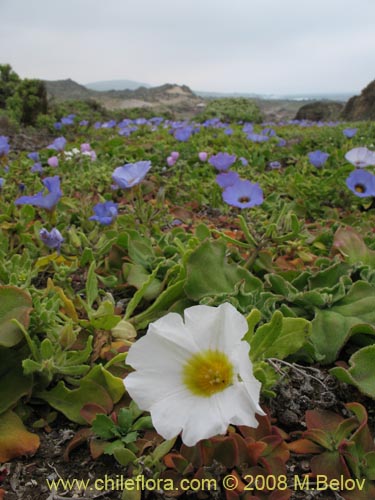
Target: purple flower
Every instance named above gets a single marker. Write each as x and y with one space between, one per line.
203 156
131 174
274 165
244 161
175 155
281 143
318 158
243 194
170 161
183 134
222 161
227 179
350 132
248 128
85 147
228 131
52 239
47 201
269 131
361 157
105 212
84 123
58 144
4 146
1 182
257 137
37 167
57 126
67 120
33 156
361 183
53 161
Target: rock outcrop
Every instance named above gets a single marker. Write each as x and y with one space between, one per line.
361 107
320 111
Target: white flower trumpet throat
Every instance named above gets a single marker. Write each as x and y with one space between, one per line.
195 376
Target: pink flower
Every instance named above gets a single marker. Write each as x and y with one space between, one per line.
170 161
53 161
175 155
203 156
85 147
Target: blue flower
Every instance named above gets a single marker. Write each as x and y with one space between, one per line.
34 156
227 179
58 144
47 201
131 174
105 212
1 182
52 239
350 132
361 183
183 134
274 165
257 137
318 158
37 167
4 146
243 194
222 161
67 120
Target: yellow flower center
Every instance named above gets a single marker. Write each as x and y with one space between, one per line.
360 188
208 372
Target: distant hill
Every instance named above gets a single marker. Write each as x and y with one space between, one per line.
116 85
65 90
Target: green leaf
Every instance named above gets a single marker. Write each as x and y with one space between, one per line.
351 245
355 313
209 273
14 304
139 294
293 336
70 401
104 427
91 285
162 449
165 300
279 338
124 456
141 252
361 373
143 424
124 419
138 276
14 383
202 232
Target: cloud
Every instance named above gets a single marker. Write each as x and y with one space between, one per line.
257 45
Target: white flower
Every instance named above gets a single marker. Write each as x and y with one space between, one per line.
361 157
195 376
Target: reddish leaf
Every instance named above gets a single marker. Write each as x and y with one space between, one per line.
330 464
16 440
322 419
97 448
304 446
90 410
80 437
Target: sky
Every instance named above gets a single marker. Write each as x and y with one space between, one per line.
261 46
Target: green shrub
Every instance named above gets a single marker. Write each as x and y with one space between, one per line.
232 109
